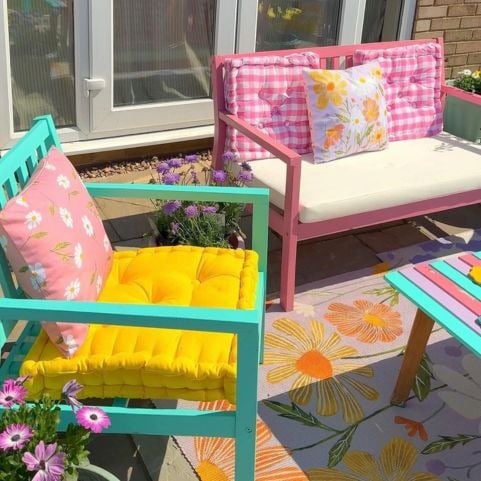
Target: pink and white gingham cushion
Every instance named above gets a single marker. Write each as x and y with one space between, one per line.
412 87
268 92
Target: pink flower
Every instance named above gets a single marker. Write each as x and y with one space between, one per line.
15 436
12 392
70 392
92 418
49 464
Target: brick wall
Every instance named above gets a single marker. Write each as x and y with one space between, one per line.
459 23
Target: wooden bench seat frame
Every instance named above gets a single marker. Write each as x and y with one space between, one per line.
286 223
15 169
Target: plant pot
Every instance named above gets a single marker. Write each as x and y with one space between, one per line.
91 472
462 118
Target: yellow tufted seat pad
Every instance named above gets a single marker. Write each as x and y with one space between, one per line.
139 362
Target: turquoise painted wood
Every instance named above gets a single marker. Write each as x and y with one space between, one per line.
437 310
16 167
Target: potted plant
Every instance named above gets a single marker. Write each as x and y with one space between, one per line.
462 118
31 449
200 223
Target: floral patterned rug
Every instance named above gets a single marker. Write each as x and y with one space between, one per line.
324 389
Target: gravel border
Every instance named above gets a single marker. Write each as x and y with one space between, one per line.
125 166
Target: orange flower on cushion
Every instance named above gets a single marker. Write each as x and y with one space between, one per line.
333 136
379 136
370 110
216 455
366 321
412 427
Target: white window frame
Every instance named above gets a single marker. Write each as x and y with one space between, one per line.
105 119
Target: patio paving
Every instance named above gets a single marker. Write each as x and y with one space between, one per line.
157 458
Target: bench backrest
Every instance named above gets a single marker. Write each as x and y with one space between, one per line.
16 168
227 84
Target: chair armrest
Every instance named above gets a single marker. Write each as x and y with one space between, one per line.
289 156
145 315
461 94
258 197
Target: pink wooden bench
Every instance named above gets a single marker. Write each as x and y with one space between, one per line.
409 178
444 293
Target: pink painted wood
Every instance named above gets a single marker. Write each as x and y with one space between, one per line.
286 223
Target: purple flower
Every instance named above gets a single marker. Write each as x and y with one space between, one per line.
209 209
219 176
49 464
171 178
162 167
191 210
92 418
70 392
245 176
174 228
170 207
15 436
228 157
191 159
175 163
435 466
246 166
12 392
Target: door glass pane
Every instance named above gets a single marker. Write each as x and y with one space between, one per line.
162 50
42 61
297 23
381 20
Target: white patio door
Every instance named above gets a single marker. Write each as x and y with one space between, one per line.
150 62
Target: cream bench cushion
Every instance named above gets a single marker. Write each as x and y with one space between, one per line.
407 171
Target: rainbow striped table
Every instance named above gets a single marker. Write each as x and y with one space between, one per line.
443 293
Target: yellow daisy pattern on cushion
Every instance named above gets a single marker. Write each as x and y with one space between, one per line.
216 455
317 362
395 463
330 88
366 321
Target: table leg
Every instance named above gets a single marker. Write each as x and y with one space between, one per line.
418 339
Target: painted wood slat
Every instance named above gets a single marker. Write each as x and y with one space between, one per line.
470 259
459 265
433 289
449 288
458 278
458 329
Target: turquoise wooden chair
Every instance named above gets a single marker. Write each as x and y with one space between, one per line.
16 167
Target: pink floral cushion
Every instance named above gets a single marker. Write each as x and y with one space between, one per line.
412 86
56 244
268 93
347 111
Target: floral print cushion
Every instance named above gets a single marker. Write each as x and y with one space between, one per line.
56 244
347 111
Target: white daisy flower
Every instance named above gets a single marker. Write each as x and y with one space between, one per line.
38 275
98 284
49 166
62 181
72 290
66 217
78 255
3 242
107 245
21 200
89 230
33 219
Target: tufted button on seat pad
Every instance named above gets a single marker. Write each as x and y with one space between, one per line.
138 362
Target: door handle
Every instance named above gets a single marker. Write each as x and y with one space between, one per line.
93 84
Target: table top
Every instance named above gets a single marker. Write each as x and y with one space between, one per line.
445 292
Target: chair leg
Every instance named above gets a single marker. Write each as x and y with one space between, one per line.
246 404
288 271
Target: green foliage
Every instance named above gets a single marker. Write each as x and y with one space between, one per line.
449 442
469 81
